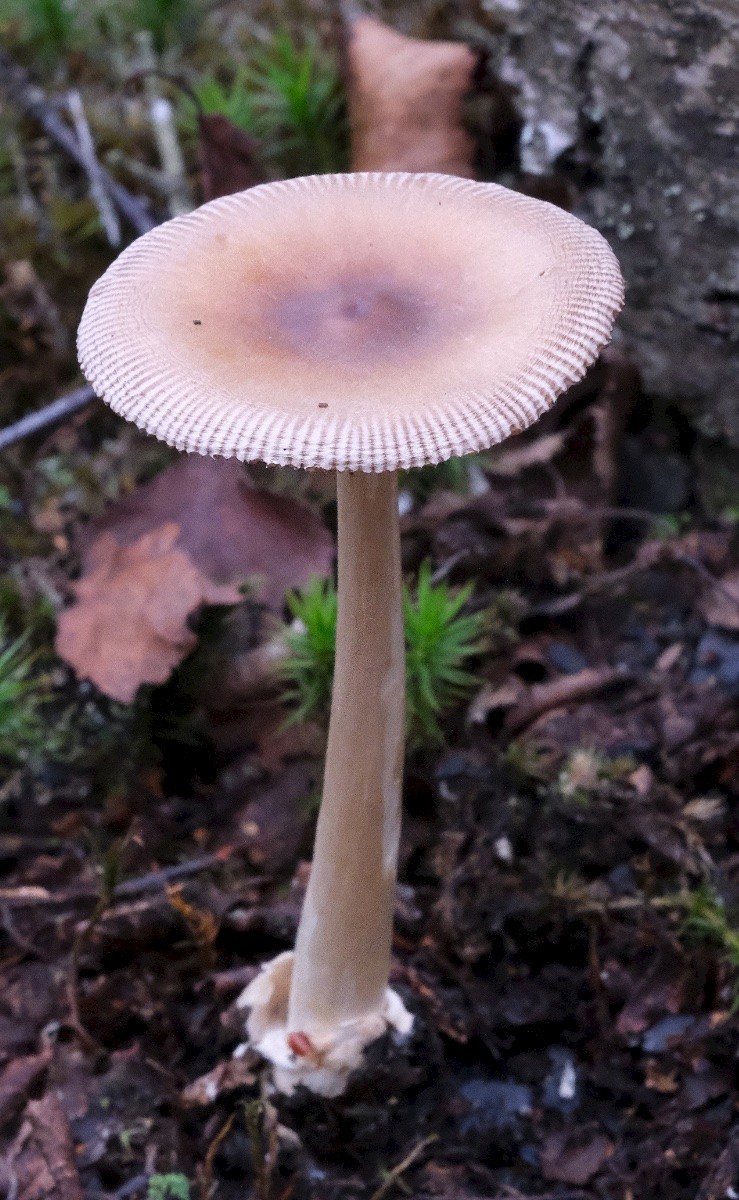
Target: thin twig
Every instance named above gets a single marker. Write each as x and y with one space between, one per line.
27 202
58 410
206 1182
586 905
28 897
33 101
156 880
19 940
555 693
688 560
73 972
153 177
612 580
393 1176
180 200
108 216
569 508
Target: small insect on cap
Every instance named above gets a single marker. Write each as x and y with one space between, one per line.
357 322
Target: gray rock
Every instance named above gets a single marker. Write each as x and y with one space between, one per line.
667 1033
562 1087
493 1106
635 104
639 101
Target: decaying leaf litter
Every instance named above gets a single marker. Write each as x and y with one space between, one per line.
564 927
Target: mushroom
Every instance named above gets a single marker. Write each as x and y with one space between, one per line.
355 323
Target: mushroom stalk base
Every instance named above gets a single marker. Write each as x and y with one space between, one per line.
323 1061
338 998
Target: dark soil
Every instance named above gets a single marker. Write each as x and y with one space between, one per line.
573 1037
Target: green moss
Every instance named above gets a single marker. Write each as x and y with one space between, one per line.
48 27
289 98
168 1187
168 21
452 475
439 640
312 642
23 734
706 919
525 762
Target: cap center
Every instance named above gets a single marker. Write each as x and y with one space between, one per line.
355 320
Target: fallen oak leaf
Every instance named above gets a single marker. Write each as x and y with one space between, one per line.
230 530
405 101
129 624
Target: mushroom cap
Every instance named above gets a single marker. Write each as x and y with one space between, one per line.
366 321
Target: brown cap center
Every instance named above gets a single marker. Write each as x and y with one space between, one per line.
358 319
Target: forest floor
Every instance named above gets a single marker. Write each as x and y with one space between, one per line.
565 931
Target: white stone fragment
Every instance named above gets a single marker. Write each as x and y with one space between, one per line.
568 1082
504 849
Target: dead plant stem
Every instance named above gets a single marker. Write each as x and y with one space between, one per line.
395 1174
206 1181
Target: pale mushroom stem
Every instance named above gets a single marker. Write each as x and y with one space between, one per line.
342 954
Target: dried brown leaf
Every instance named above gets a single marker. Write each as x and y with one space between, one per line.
41 1164
574 1156
16 1081
227 156
405 101
272 825
662 992
129 624
30 307
187 538
720 603
225 1077
231 531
